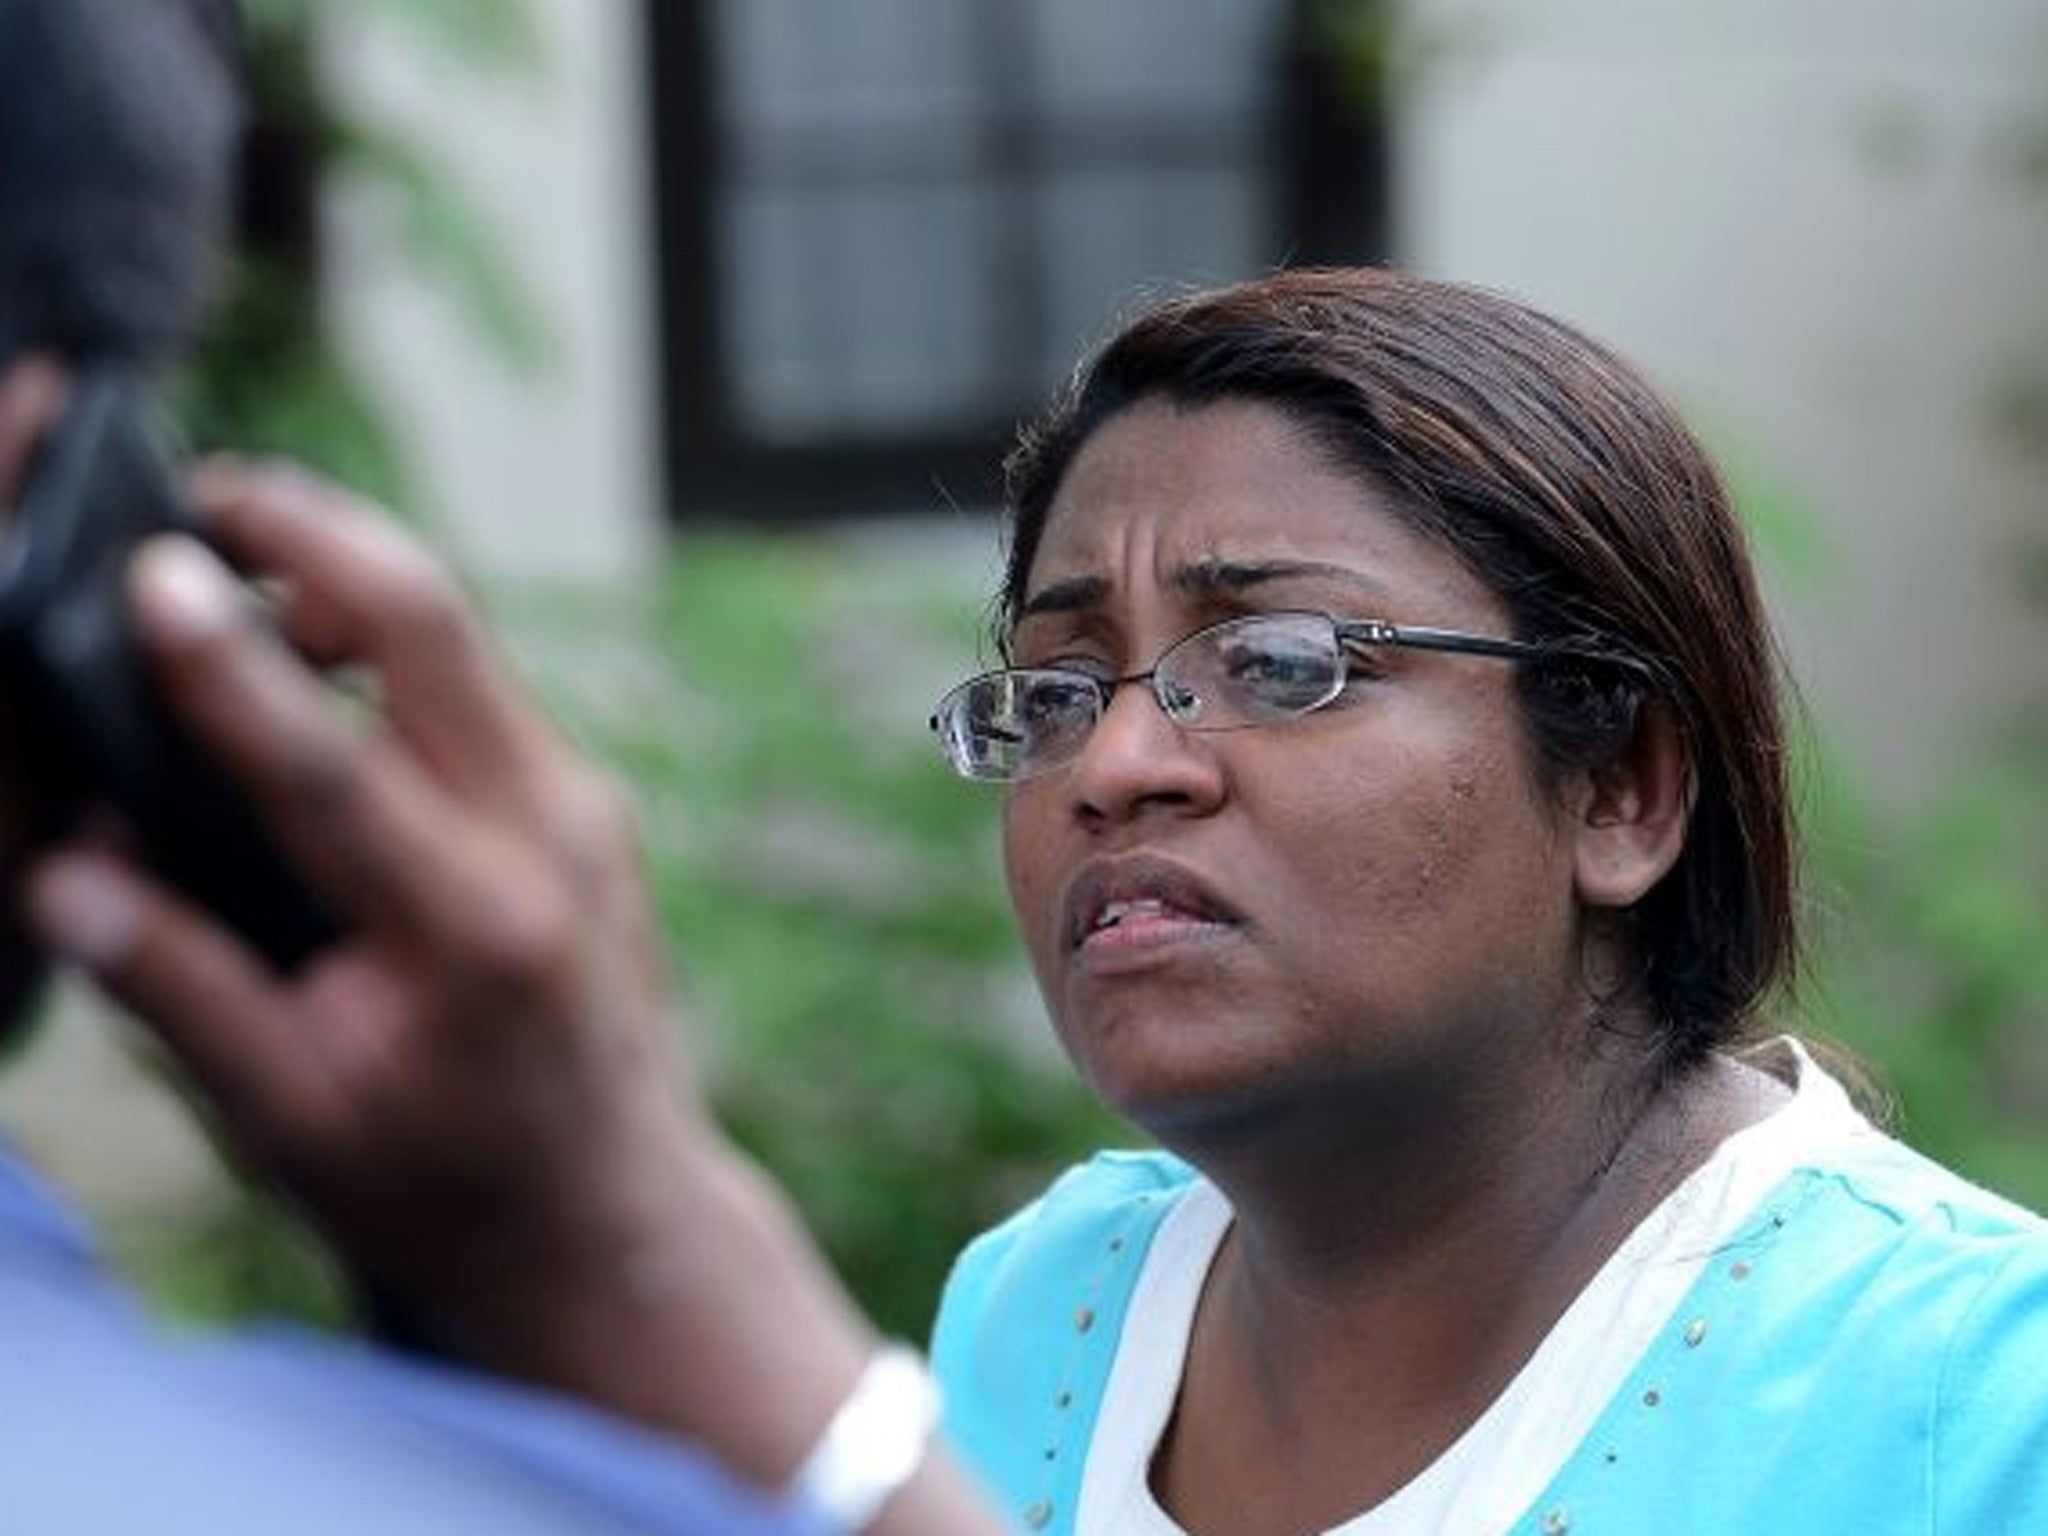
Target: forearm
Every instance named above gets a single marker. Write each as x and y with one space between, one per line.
721 1324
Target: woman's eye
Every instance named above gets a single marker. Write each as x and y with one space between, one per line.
1050 693
1051 701
1251 664
1284 677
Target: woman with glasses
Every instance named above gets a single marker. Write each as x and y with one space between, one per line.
1395 814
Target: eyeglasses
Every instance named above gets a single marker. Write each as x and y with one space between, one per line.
1262 669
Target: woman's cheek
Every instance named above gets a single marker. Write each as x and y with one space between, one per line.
1032 885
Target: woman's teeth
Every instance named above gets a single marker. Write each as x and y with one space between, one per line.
1117 911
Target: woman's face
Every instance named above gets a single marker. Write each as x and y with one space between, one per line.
1372 895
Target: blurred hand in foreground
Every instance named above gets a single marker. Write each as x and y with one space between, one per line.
473 1096
485 1060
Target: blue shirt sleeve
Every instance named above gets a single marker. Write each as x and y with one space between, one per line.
109 1423
1988 1435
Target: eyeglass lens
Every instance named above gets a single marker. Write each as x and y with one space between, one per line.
1251 671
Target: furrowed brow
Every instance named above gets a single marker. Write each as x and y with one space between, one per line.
1221 578
1204 579
1075 595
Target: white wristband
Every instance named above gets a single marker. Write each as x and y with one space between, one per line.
874 1443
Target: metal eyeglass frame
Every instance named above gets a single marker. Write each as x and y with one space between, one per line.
1344 632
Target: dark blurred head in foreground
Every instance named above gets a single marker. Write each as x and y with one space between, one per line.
118 124
119 121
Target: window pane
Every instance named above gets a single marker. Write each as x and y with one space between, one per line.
829 66
1111 238
858 312
1145 57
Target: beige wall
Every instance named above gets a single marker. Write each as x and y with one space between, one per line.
554 476
1813 222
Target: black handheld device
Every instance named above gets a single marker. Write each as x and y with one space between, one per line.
82 712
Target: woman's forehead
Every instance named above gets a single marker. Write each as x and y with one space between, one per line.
1227 457
1198 500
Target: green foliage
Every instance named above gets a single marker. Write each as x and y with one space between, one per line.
1381 48
1779 517
1927 925
1364 39
1931 958
265 382
246 1259
834 899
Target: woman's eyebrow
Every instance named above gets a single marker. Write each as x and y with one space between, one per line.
1203 579
1074 595
1213 578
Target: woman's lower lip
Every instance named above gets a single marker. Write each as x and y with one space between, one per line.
1140 942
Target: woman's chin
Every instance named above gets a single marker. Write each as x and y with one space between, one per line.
1172 1082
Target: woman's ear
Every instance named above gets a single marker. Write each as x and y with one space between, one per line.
1634 813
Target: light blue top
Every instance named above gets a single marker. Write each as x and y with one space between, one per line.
110 1426
1877 1364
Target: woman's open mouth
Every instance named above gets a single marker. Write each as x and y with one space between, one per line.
1139 909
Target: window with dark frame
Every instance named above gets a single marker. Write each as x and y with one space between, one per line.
888 227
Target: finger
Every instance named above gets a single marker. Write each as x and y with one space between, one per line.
32 394
223 1015
355 588
347 806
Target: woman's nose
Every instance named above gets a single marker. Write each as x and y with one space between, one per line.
1136 758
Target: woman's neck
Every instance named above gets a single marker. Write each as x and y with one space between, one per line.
1390 1269
1349 1177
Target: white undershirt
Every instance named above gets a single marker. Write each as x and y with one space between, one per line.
1489 1476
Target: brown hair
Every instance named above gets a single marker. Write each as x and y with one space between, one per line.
1572 489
